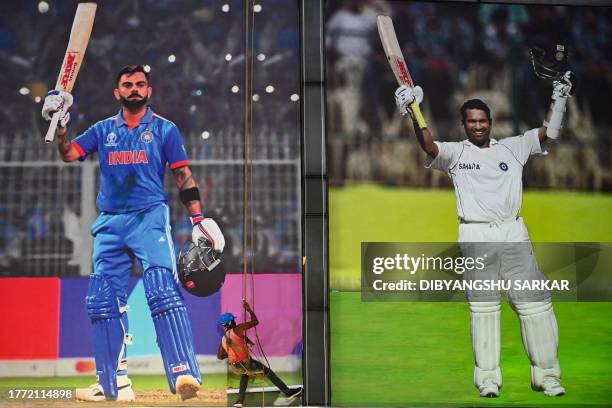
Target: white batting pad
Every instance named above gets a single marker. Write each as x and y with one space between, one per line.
485 320
541 339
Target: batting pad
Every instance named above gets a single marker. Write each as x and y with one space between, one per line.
174 335
541 339
485 322
103 310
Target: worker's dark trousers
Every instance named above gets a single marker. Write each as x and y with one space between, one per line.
256 366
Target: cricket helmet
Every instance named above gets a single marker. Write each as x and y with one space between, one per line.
549 63
226 318
200 269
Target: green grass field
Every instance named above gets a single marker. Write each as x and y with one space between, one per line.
413 353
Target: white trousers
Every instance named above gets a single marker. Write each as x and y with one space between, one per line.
509 257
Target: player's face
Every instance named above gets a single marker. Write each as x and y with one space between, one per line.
477 126
133 90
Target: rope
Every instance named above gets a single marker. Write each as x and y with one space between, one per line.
248 127
250 183
248 211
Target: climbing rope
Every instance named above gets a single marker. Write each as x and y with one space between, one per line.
248 249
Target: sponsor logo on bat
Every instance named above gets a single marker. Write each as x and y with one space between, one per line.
69 69
403 71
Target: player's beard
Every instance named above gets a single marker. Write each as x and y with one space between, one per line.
134 104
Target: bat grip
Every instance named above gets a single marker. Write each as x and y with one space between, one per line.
52 128
418 115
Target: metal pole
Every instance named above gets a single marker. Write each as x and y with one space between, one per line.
314 205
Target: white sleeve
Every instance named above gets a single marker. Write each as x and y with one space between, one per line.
524 146
447 158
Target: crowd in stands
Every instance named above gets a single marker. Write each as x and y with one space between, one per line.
457 51
194 90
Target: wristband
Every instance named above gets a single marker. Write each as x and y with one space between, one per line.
190 194
196 218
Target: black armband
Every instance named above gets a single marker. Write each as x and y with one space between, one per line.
191 194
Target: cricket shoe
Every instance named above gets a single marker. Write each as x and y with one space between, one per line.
489 389
552 387
187 387
95 393
288 399
294 393
238 403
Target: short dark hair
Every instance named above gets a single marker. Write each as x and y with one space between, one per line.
474 104
132 69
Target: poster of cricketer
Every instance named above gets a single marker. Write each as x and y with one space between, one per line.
471 206
150 252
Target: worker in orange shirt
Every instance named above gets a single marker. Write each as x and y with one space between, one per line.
235 346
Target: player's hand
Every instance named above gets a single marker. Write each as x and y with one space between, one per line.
208 229
564 87
405 96
57 101
246 306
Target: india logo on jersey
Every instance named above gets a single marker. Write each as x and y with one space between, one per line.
127 157
146 136
503 166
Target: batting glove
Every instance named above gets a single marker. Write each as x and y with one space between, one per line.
57 101
405 96
207 228
565 86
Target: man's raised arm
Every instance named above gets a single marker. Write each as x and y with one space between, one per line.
563 88
253 321
404 97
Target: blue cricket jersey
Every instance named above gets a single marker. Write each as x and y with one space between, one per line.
132 161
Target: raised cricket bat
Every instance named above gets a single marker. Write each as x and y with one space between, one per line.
79 37
386 31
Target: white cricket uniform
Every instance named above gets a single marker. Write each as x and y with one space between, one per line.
489 192
488 181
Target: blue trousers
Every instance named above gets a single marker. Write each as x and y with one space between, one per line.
119 238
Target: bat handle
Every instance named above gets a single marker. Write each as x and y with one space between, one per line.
418 115
52 128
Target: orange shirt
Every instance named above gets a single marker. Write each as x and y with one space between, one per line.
236 348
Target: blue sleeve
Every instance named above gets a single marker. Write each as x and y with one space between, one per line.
87 143
174 149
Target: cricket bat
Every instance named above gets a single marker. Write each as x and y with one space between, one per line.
386 31
79 37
